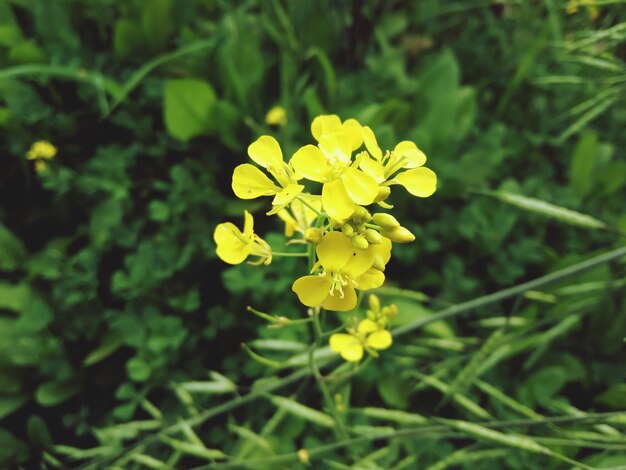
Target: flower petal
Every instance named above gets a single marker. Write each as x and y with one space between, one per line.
370 279
379 340
336 201
230 246
312 290
354 131
249 183
361 187
367 326
359 263
334 251
336 303
248 225
266 152
337 148
353 352
372 167
409 151
371 144
420 182
324 124
348 346
310 162
283 198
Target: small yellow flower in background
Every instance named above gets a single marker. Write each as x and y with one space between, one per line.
277 116
368 336
299 216
234 246
41 152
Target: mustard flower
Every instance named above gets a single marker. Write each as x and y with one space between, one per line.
344 269
41 152
345 187
368 336
385 169
299 216
234 246
249 182
277 116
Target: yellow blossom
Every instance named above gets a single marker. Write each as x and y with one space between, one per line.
277 116
368 336
385 168
344 269
41 150
299 216
345 187
234 246
249 182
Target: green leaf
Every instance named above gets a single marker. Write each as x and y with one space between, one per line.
583 161
52 393
38 432
111 343
394 391
12 251
11 403
159 211
549 210
189 108
614 397
138 369
127 38
14 296
302 411
27 53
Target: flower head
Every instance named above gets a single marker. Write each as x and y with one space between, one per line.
234 246
344 269
41 152
368 336
277 116
249 182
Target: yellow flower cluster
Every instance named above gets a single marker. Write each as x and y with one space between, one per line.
369 335
348 245
41 152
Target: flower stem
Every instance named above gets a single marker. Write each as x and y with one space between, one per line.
310 206
283 253
330 404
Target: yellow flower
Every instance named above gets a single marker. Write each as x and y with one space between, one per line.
277 116
369 336
344 269
345 187
41 150
234 246
249 182
417 179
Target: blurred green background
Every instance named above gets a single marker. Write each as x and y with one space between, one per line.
111 294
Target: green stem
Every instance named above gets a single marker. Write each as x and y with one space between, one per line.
282 253
330 404
306 203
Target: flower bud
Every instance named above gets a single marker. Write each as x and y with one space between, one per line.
313 235
383 193
385 220
372 236
347 230
399 235
359 241
374 303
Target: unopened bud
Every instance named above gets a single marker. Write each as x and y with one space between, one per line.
372 236
313 235
385 220
399 235
337 223
383 193
374 303
359 241
347 230
303 455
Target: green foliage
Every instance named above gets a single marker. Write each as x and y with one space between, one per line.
113 306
